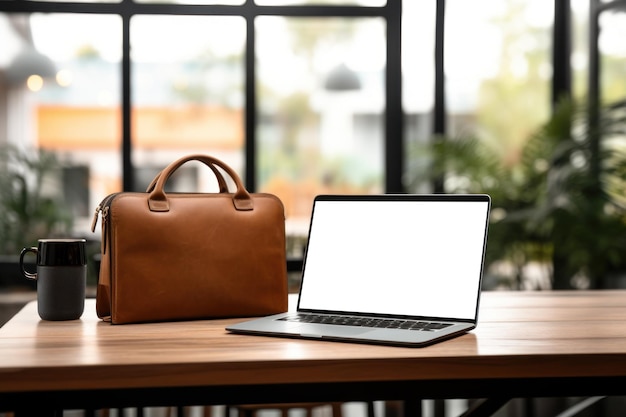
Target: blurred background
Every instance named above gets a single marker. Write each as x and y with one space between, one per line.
519 99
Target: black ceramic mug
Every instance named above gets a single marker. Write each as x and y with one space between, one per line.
61 277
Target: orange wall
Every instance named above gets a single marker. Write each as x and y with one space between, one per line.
61 127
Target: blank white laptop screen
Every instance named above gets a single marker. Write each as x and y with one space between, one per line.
414 258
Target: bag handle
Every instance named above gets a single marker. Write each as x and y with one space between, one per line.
157 201
220 179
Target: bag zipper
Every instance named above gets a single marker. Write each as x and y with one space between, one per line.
103 208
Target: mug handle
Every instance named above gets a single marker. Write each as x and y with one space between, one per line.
27 274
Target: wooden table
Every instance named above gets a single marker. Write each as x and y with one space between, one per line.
527 344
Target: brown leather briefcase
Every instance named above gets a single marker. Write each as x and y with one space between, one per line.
183 256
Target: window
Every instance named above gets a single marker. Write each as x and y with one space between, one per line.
300 97
612 55
320 106
186 91
260 87
499 88
61 96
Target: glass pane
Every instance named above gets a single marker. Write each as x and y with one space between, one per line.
187 95
498 80
321 100
61 111
418 66
612 56
498 71
580 48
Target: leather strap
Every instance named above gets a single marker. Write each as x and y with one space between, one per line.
157 200
221 182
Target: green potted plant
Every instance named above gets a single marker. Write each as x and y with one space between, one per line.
560 205
29 207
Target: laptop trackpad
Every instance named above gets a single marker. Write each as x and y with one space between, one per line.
332 331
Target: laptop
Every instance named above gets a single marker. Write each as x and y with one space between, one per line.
401 270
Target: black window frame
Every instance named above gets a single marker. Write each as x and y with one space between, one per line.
391 12
126 9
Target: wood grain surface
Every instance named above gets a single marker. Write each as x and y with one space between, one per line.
519 335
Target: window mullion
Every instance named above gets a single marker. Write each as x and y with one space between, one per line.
127 165
250 106
394 120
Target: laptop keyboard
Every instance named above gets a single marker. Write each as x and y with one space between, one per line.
366 322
